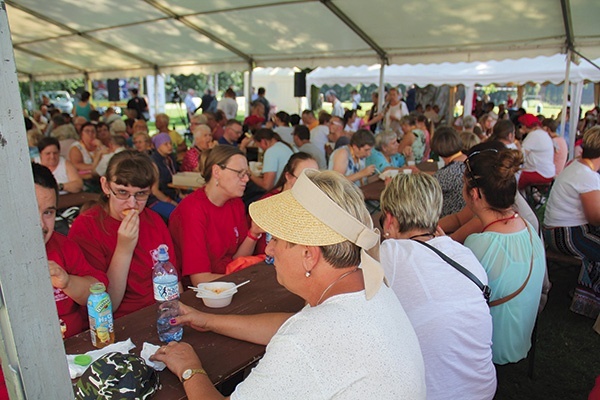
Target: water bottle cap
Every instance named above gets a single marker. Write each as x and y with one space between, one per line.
163 253
98 287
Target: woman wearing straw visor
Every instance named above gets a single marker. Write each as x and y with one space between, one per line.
352 340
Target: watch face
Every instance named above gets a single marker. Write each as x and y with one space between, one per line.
187 374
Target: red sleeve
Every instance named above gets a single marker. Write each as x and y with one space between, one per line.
76 263
188 230
84 233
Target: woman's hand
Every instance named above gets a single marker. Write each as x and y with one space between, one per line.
255 230
128 233
177 356
193 318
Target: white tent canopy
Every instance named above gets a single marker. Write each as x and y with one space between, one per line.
109 38
517 72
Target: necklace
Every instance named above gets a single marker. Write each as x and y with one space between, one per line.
334 282
422 235
515 215
588 162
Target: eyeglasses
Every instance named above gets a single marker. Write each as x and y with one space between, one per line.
241 173
122 194
470 172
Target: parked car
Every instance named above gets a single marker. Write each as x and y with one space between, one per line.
60 98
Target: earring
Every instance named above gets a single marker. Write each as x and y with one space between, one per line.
307 274
217 182
387 234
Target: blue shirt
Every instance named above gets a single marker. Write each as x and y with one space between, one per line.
380 162
275 159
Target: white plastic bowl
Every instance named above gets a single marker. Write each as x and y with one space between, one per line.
390 173
214 298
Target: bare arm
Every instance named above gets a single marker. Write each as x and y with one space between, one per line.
75 184
118 270
76 287
452 222
259 328
590 201
474 225
204 277
267 181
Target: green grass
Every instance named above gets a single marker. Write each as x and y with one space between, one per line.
567 358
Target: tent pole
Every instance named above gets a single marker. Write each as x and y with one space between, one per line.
451 104
155 90
32 367
216 82
468 105
32 92
576 92
249 92
520 91
381 85
563 114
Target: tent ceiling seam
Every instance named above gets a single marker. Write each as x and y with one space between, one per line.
199 30
76 33
356 29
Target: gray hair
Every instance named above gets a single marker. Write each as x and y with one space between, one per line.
200 129
384 138
469 121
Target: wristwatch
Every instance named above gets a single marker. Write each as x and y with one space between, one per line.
188 373
61 187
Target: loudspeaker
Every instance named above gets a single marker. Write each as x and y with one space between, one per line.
113 90
299 84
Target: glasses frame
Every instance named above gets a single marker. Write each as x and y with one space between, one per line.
145 194
240 172
469 170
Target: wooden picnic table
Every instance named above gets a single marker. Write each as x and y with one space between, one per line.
221 356
372 190
75 199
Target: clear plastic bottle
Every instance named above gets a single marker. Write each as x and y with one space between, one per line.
100 316
166 293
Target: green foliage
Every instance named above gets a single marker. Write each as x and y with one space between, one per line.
201 82
70 85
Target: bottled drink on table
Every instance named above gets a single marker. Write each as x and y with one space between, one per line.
166 293
100 316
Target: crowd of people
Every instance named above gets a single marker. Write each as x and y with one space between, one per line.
454 289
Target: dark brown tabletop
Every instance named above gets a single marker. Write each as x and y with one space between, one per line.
221 356
372 190
75 199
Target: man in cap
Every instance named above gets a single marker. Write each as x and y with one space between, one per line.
352 340
538 151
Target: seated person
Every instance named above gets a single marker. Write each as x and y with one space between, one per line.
353 338
209 227
276 155
164 199
448 311
70 273
572 221
64 172
508 248
413 143
118 235
561 150
203 141
385 154
350 160
302 141
447 144
538 151
116 145
142 142
232 133
178 142
85 154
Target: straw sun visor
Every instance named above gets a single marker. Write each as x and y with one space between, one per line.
283 217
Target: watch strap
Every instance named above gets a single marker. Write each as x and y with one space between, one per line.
192 373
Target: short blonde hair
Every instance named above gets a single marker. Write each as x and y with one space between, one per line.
200 129
345 194
384 138
591 143
415 200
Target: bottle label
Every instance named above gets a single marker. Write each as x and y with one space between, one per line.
166 290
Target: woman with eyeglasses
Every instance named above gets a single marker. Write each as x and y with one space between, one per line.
508 248
209 227
118 234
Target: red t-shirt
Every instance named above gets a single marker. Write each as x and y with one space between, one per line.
96 233
68 255
207 236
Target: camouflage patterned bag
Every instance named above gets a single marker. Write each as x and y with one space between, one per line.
117 376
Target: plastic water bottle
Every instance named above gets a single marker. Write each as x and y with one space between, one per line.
166 293
100 316
269 259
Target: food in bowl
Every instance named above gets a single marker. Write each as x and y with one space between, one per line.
390 173
216 294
